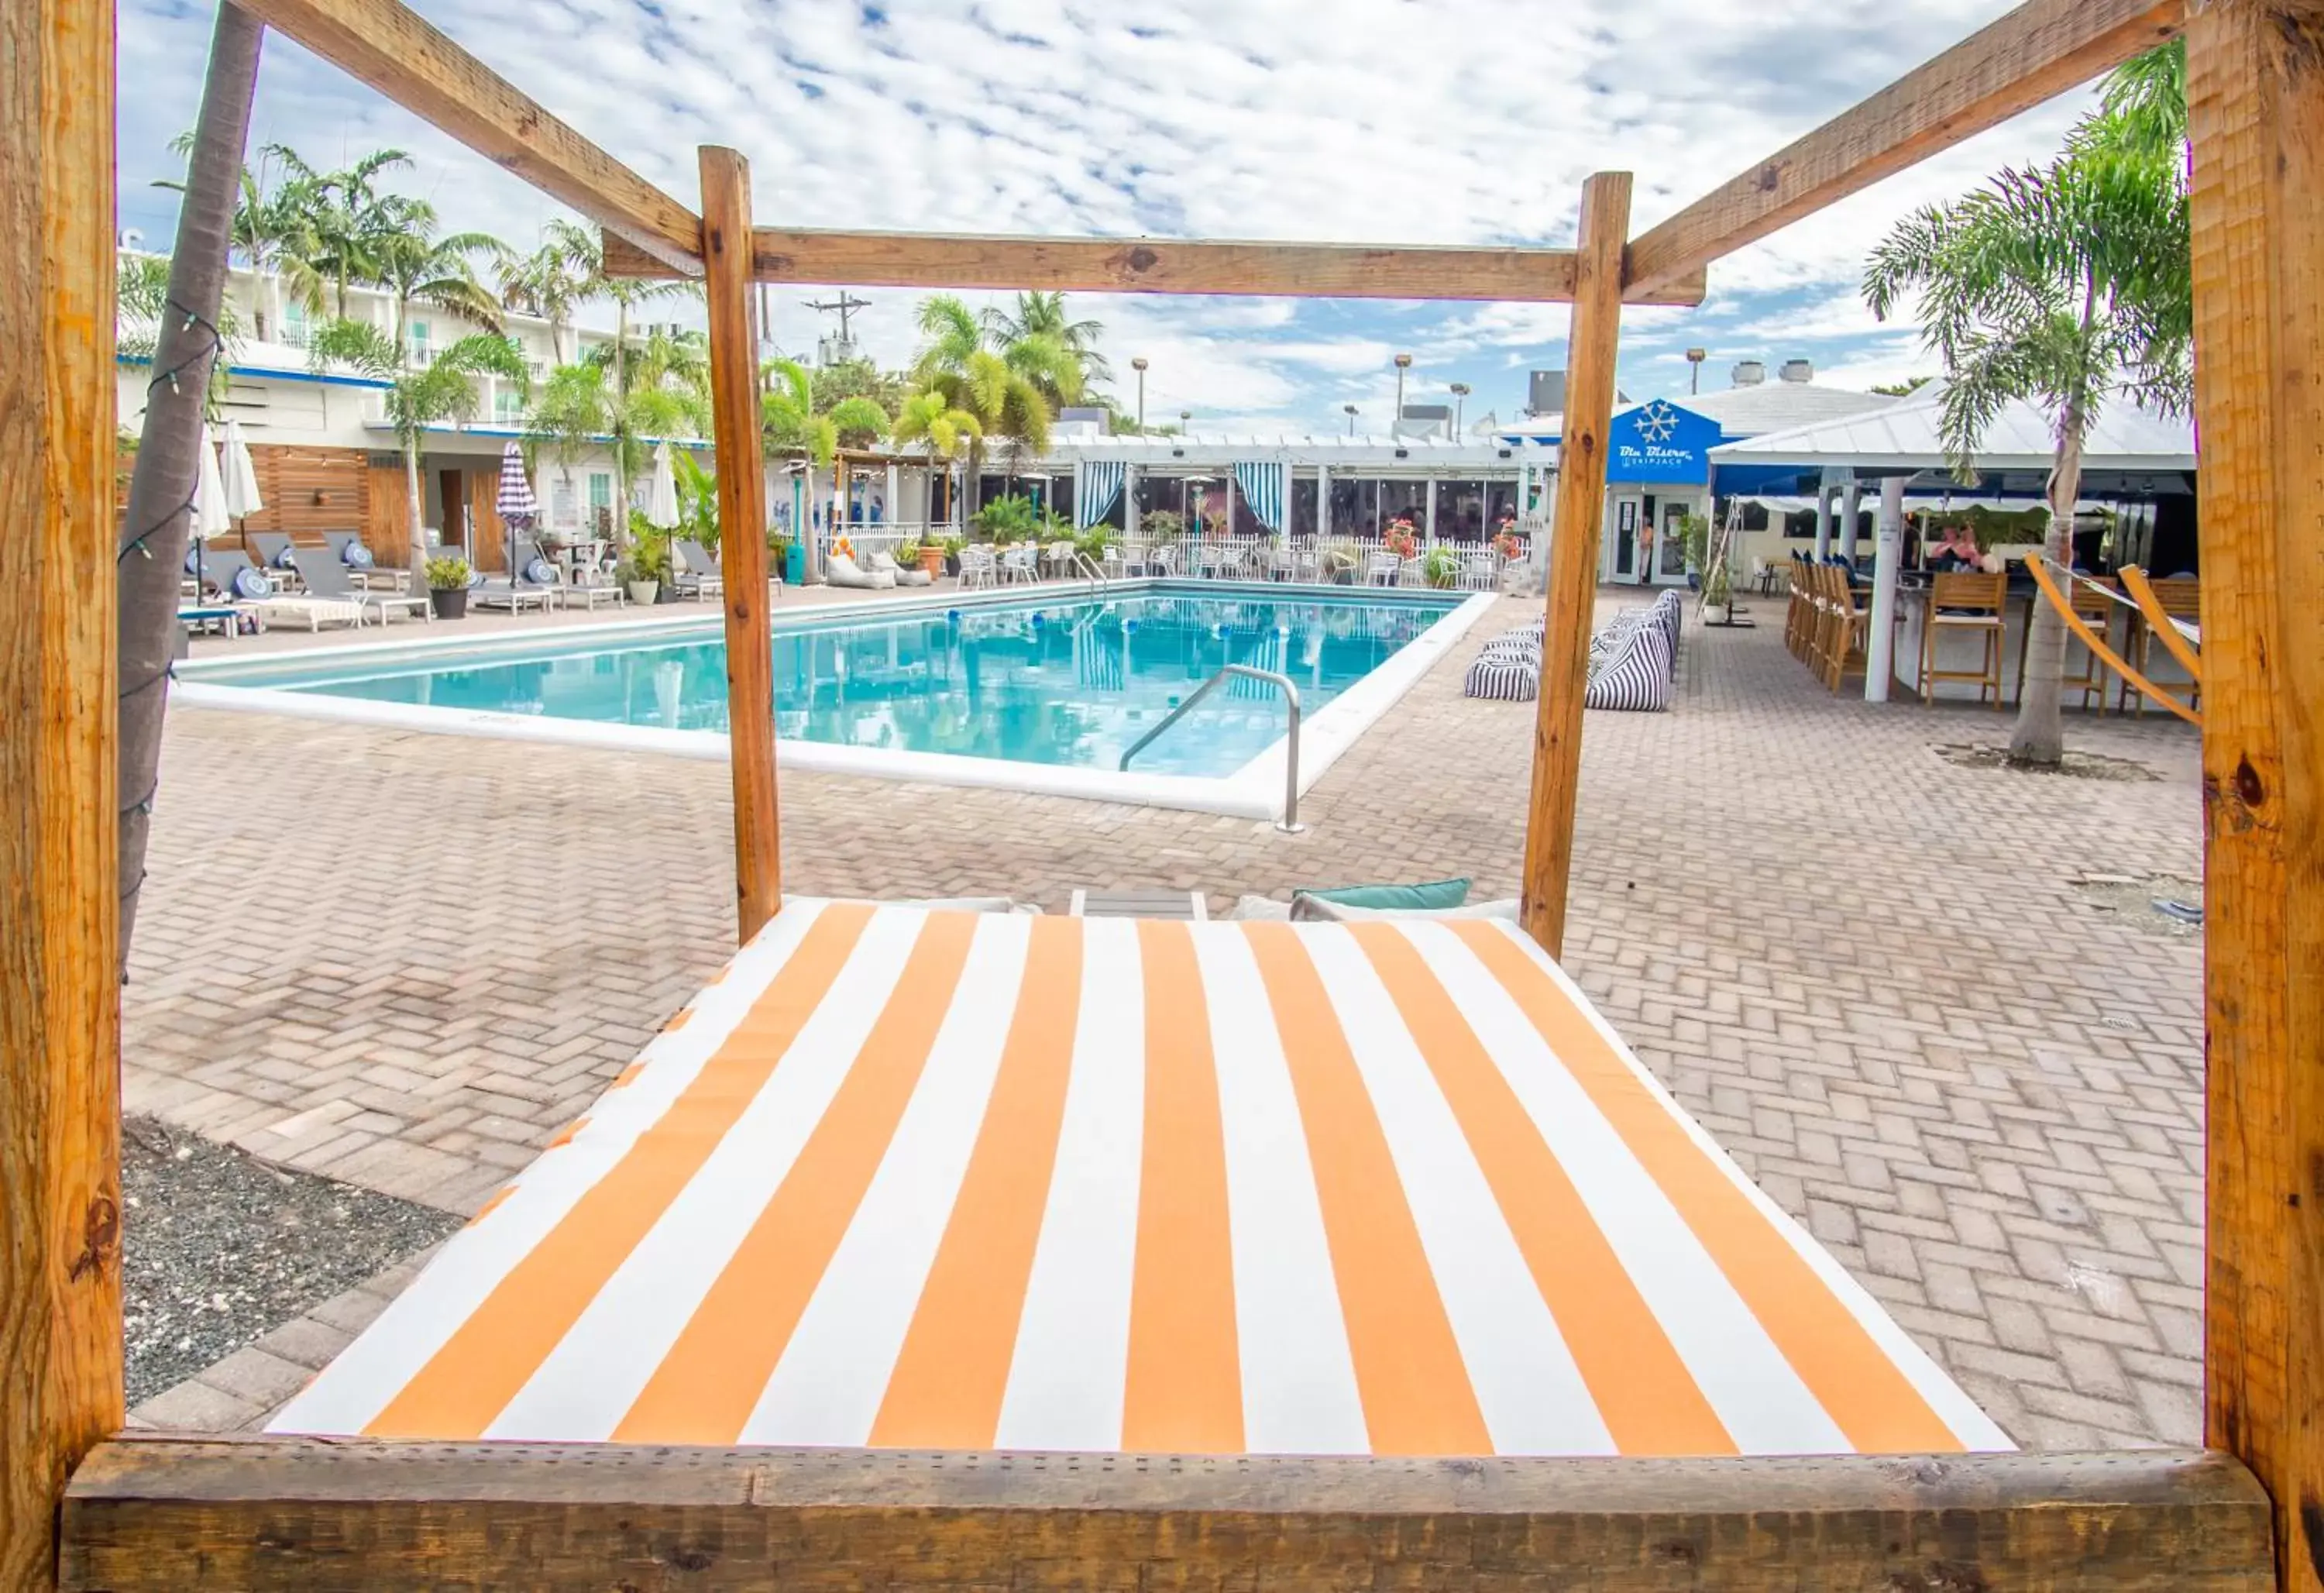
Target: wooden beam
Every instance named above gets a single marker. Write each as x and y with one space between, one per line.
60 1392
148 1514
2255 101
2033 54
1591 349
735 431
1160 265
390 47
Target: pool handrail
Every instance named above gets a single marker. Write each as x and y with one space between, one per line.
1289 823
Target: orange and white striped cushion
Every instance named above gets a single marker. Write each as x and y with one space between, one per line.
934 1180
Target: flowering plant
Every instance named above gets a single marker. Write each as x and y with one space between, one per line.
844 547
1399 539
1507 544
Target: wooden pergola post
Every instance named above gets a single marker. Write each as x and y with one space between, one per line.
742 535
60 1391
1591 347
2255 101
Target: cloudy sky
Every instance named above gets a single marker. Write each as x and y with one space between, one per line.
1401 121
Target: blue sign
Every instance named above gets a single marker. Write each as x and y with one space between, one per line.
1663 445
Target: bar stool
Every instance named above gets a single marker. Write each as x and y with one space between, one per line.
2181 597
2094 609
1971 605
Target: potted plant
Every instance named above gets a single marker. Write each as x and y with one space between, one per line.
447 586
642 573
1440 568
950 554
1717 594
785 558
1400 539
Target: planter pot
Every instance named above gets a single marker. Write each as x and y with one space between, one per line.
1714 613
952 564
448 602
644 592
933 560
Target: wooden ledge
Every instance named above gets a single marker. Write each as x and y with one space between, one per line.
158 1511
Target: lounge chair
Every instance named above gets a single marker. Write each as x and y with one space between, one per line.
841 571
339 542
273 550
696 573
246 587
526 584
327 578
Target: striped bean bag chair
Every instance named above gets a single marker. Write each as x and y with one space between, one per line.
1635 676
1505 677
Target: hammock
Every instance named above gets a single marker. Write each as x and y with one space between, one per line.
2180 637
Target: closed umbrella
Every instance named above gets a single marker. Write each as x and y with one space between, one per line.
662 496
211 517
240 474
517 505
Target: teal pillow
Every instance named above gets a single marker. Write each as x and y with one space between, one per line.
1442 893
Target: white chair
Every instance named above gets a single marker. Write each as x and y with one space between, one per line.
976 568
1016 563
1481 572
1383 569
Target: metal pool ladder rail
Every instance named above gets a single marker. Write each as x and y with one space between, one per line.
1289 823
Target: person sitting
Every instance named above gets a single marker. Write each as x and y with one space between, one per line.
1958 552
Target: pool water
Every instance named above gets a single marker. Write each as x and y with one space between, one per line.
1071 682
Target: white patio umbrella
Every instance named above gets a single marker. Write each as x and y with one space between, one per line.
240 474
211 517
662 493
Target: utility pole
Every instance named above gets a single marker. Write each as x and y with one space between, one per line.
845 348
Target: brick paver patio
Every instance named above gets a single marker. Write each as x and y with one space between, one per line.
407 961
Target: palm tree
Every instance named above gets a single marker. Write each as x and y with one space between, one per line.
572 412
1043 316
926 417
274 229
792 428
445 389
553 282
347 216
156 527
658 388
2059 285
993 386
419 268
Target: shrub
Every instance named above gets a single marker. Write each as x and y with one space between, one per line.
445 575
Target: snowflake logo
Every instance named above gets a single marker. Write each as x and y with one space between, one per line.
1657 421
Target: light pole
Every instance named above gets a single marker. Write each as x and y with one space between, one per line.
1185 419
1351 410
1402 363
1695 358
1139 364
1460 391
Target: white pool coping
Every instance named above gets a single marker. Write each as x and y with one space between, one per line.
1255 791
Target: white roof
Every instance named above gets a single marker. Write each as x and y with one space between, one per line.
1211 450
1779 406
1907 435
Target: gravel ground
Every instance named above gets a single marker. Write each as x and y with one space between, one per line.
220 1248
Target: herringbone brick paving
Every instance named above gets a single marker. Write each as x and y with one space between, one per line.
406 960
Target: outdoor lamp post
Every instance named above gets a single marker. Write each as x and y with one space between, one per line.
1351 410
1139 364
1185 419
1695 358
1402 363
1460 391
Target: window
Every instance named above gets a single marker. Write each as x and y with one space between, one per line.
507 405
294 324
601 502
419 333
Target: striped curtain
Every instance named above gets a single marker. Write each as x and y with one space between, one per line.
1266 488
1097 486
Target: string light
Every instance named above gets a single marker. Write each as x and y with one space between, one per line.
206 349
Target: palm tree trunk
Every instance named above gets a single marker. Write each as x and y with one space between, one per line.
620 427
417 530
2039 740
162 482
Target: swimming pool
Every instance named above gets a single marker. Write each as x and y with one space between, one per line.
1057 686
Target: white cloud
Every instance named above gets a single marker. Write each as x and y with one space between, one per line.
1455 121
